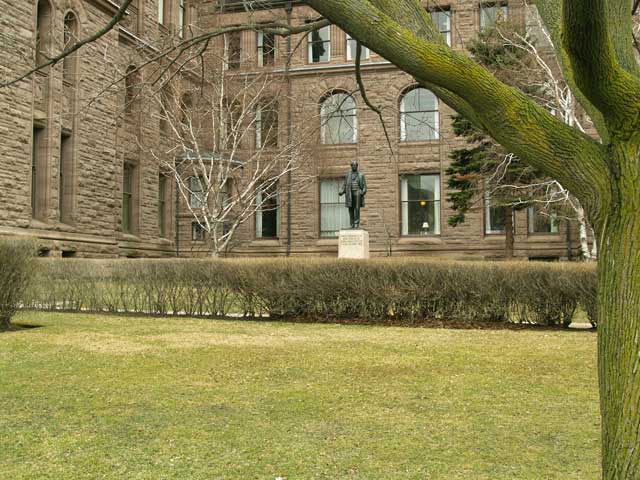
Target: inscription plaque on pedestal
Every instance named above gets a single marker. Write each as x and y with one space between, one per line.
353 244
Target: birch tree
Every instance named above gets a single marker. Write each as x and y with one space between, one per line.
225 153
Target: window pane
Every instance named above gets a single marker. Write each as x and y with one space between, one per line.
541 221
422 218
420 196
442 19
419 100
234 47
419 116
491 14
266 48
267 216
320 45
196 185
351 49
496 218
420 126
338 116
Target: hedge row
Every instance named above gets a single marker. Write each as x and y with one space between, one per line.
399 290
16 268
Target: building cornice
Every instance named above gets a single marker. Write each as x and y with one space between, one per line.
107 6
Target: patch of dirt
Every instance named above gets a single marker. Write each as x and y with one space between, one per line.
205 339
101 343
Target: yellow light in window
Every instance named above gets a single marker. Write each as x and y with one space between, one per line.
423 203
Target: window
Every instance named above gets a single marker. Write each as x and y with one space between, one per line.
351 49
420 204
267 214
320 45
442 19
495 217
492 14
65 176
541 221
197 232
266 48
333 214
267 125
339 120
197 196
186 106
161 12
70 35
38 154
43 32
182 17
419 118
127 197
163 210
131 81
166 101
233 47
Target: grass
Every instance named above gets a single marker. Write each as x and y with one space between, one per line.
88 396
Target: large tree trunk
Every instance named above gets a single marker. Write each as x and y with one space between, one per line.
619 325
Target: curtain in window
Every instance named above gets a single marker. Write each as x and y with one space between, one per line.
334 216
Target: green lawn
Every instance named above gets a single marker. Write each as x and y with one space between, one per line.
88 396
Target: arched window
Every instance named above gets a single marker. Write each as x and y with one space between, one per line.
70 37
339 120
43 31
419 117
131 83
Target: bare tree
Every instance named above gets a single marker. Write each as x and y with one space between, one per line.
224 150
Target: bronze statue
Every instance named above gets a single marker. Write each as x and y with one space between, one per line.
355 188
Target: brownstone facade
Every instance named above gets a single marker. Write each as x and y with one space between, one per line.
77 175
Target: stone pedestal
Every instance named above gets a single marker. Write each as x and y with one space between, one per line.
353 244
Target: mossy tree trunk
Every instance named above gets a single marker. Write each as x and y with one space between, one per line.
594 43
619 327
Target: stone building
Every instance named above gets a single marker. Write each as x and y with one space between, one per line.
78 175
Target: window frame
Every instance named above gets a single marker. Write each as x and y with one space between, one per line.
326 43
128 197
447 34
487 217
437 201
324 118
70 28
492 5
554 222
198 232
229 62
271 139
197 198
340 202
263 50
163 203
435 130
351 56
182 18
161 12
259 219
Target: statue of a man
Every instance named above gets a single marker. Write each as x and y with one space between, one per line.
354 189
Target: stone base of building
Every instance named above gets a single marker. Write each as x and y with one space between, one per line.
353 244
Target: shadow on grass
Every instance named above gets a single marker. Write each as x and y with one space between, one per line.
18 327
